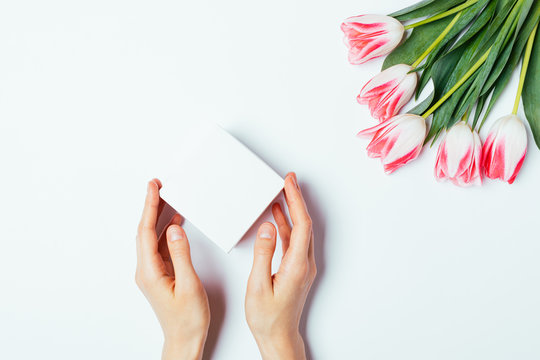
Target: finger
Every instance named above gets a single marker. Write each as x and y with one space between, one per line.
180 256
175 220
301 231
151 208
283 226
147 239
163 247
265 245
295 201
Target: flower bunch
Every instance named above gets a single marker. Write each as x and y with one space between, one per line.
468 49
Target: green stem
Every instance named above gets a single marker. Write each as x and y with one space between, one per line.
465 5
437 40
465 77
524 67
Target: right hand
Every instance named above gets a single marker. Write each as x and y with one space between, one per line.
274 303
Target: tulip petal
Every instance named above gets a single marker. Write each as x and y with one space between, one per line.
396 164
505 149
396 141
389 91
371 36
459 156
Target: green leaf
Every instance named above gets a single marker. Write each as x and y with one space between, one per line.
447 71
504 38
443 117
494 27
450 68
499 66
424 79
425 8
420 39
527 4
469 14
423 106
531 91
515 56
442 71
479 107
493 71
475 11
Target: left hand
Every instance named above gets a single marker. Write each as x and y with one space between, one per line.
166 276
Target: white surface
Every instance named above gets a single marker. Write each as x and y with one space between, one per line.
209 174
92 93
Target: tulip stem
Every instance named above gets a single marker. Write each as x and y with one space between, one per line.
461 81
524 66
437 40
465 5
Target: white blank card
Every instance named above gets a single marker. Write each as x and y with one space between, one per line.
219 185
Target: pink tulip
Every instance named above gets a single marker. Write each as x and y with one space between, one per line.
388 91
396 141
460 156
371 36
505 149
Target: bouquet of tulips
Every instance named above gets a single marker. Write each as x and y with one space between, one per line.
468 49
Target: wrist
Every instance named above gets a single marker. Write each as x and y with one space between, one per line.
282 347
174 349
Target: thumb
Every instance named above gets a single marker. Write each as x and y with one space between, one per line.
180 254
265 244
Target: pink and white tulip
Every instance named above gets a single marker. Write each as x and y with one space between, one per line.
396 141
387 92
371 36
505 148
460 156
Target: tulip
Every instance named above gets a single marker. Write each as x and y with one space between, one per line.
460 156
387 92
371 36
505 149
396 141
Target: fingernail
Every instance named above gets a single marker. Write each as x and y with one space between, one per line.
266 231
175 235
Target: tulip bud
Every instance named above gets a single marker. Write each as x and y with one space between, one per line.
396 141
388 91
505 148
460 156
371 36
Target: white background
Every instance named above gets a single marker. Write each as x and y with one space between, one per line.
92 94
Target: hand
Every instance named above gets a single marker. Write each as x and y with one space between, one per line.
167 278
274 304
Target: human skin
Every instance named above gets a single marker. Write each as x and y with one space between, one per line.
274 303
166 276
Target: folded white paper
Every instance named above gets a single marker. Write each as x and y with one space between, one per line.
219 185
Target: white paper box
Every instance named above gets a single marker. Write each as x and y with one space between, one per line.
219 185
